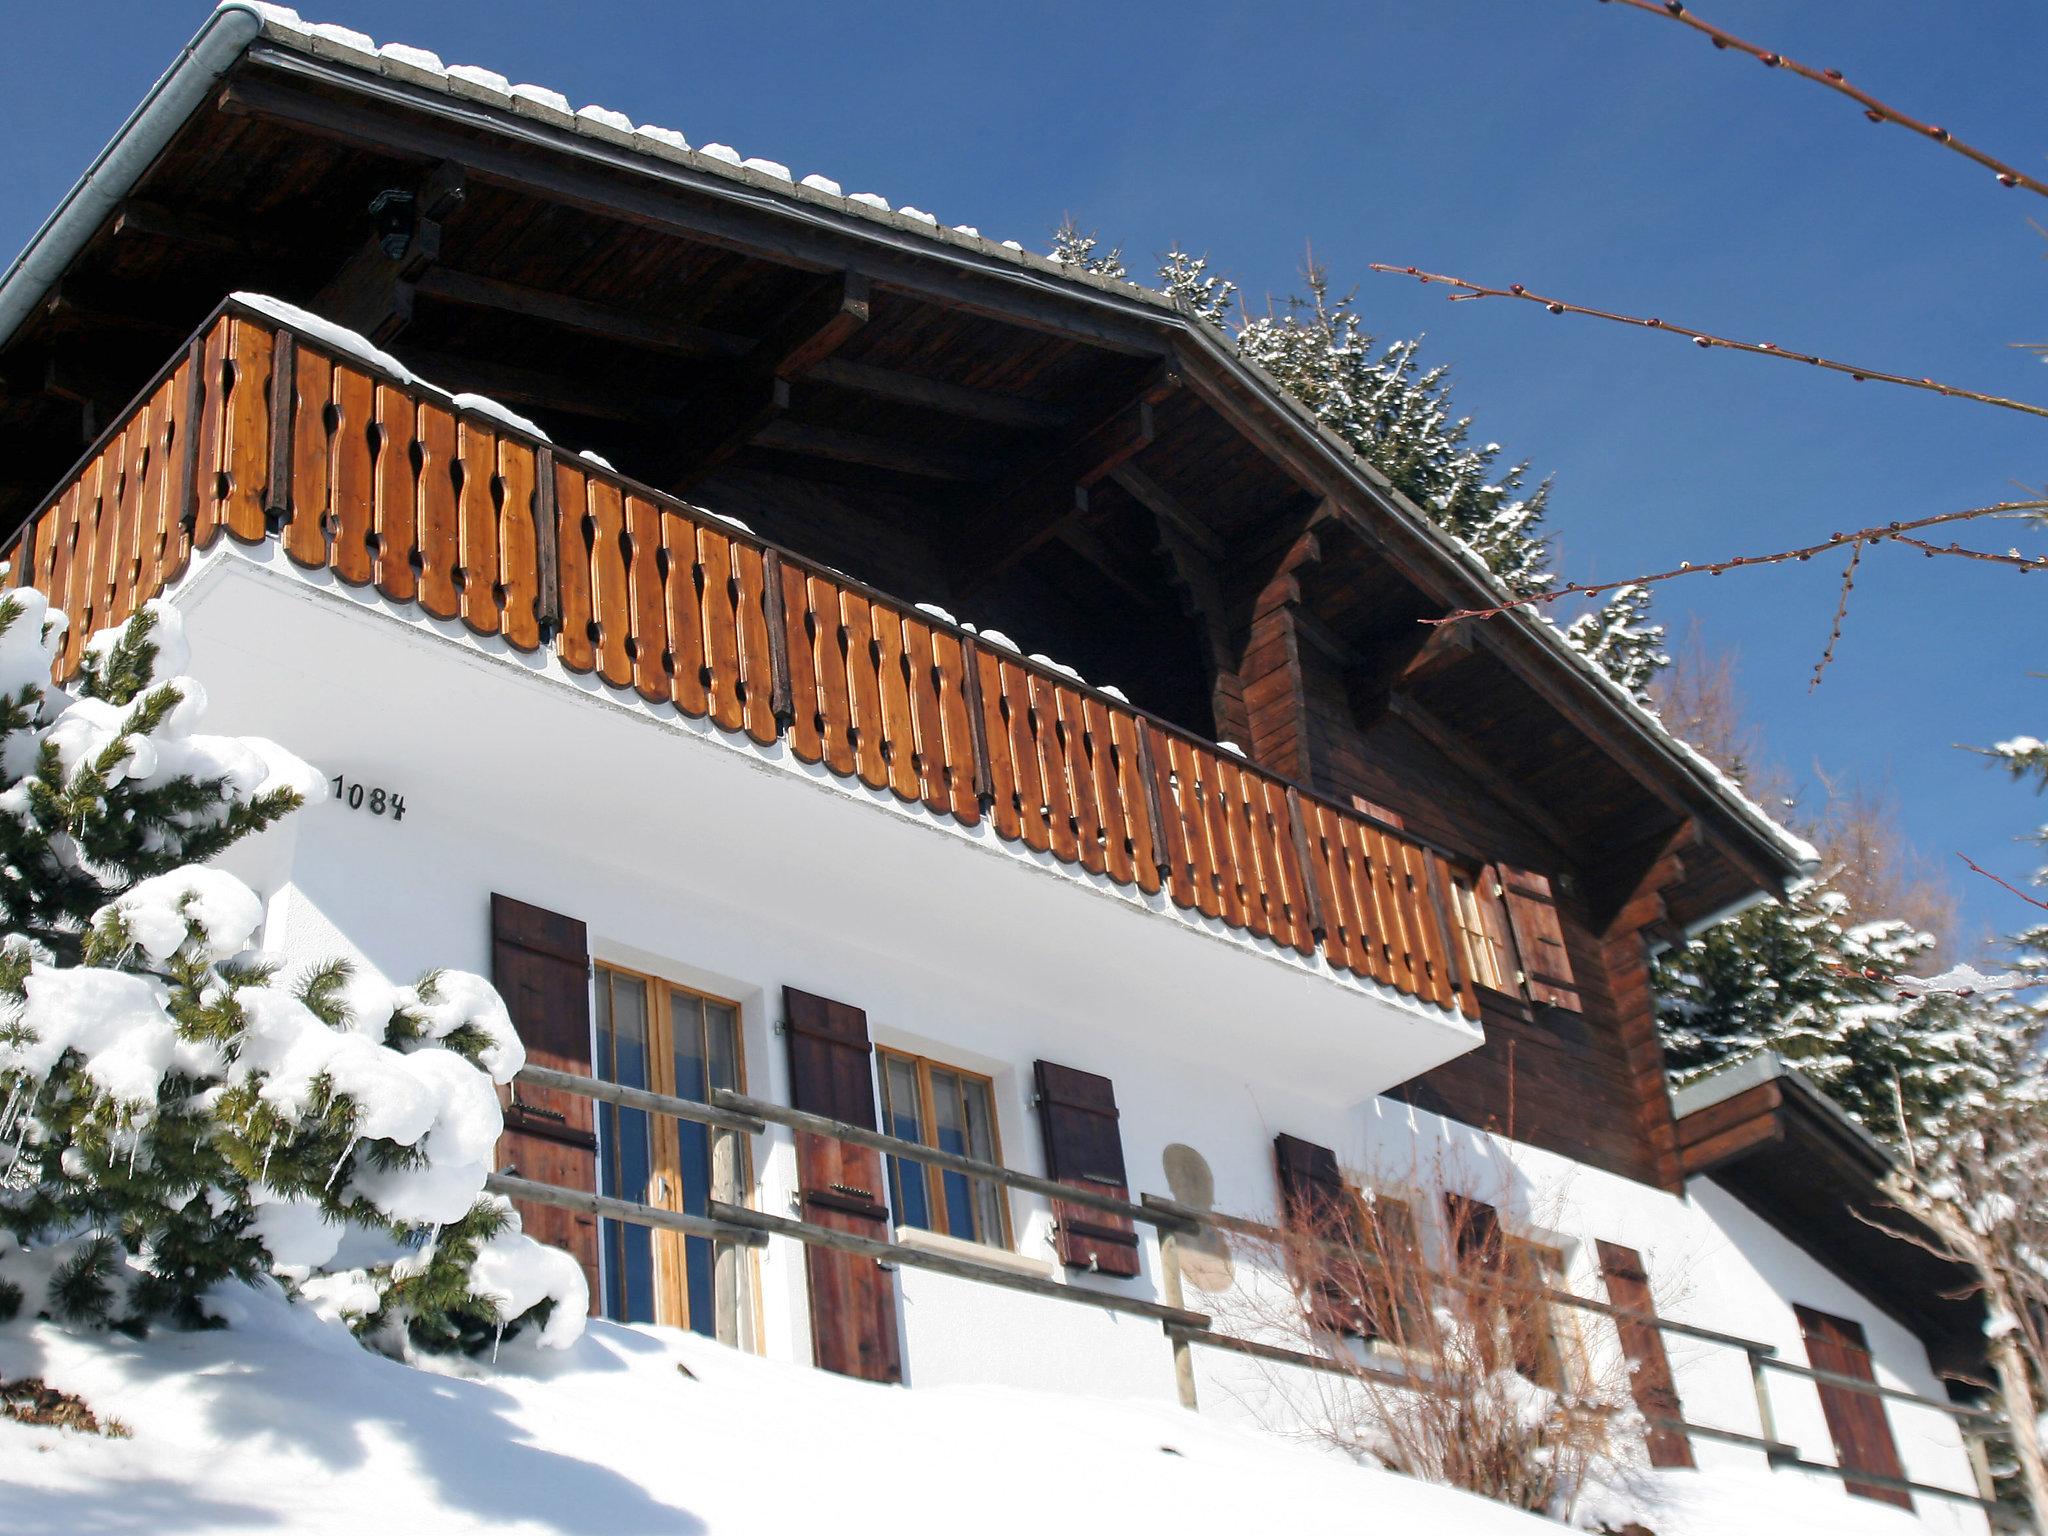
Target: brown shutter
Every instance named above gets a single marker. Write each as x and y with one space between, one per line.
1856 1420
1329 1251
1539 937
1642 1345
1077 1116
1474 1231
853 1299
540 964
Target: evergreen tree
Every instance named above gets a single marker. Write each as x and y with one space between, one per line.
173 1115
1800 979
1071 248
1623 640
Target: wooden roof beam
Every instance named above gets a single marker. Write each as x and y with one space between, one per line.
718 419
1462 755
927 463
138 218
1162 504
1051 490
543 389
373 290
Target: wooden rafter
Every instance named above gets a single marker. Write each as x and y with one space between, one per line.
1050 492
718 419
373 290
1462 755
843 447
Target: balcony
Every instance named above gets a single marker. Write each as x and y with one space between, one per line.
390 485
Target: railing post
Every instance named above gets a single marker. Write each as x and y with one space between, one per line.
1312 896
725 1256
1148 770
781 692
1183 1351
188 450
546 552
977 724
284 392
1759 1379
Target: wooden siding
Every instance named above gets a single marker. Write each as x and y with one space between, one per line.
258 432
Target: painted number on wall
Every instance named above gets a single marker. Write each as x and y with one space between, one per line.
364 797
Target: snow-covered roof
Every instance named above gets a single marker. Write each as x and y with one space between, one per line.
237 24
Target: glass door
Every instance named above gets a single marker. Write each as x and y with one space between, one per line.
652 1034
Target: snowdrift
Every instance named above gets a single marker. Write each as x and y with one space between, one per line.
281 1421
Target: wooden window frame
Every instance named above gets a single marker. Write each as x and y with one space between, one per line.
1493 961
671 1282
927 1111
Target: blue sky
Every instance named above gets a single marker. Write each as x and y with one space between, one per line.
1577 148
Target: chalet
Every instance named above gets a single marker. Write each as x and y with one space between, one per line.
705 586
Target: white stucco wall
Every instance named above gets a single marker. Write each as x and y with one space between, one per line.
738 872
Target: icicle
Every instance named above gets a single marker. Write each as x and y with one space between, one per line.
339 1162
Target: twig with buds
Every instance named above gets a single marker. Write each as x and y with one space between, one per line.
1706 339
1877 111
1900 532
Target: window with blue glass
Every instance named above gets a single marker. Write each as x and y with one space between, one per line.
953 1111
655 1035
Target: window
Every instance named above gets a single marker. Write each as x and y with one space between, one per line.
951 1111
1482 923
1397 1295
655 1035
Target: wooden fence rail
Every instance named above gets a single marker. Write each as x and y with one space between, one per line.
731 1221
257 431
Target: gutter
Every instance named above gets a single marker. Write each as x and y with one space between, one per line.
113 174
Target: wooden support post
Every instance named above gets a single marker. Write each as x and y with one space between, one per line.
547 602
1176 1297
284 393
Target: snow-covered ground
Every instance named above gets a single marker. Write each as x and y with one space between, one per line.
282 1422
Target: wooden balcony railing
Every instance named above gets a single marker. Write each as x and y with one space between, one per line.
387 483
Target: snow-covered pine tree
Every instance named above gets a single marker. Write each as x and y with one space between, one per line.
172 1114
1072 248
1622 640
1821 990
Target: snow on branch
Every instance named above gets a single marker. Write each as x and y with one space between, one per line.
1467 289
1873 109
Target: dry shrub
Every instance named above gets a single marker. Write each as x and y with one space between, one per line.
1459 1371
31 1400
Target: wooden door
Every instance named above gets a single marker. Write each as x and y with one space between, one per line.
853 1299
1856 1420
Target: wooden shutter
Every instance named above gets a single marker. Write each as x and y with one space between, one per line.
853 1299
540 964
1077 1116
1330 1246
1539 937
1856 1420
1474 1230
1642 1345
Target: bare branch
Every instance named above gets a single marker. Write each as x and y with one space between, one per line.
1899 532
1877 111
1707 339
2031 900
1827 656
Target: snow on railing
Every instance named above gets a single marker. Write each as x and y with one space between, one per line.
453 504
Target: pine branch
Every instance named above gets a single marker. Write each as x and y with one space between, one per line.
1873 109
1878 534
1705 339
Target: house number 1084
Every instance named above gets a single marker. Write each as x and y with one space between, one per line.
363 797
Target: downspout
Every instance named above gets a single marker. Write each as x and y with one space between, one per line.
113 174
